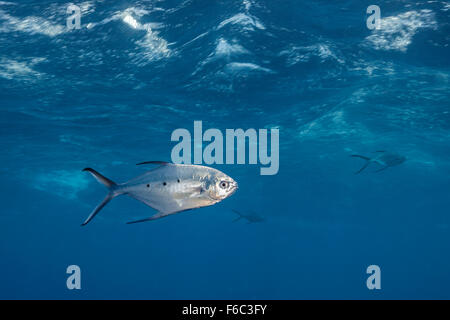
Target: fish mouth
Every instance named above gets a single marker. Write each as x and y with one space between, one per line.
235 186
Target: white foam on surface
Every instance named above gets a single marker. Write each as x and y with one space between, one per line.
19 70
31 25
248 22
396 32
226 49
298 54
245 66
154 47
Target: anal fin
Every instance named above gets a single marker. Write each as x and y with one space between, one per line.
154 217
382 169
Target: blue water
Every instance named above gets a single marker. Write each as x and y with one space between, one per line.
110 94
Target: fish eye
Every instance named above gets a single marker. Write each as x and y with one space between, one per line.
224 184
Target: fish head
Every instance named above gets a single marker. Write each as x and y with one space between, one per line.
222 186
395 159
401 159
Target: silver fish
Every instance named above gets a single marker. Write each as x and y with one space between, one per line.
385 159
170 188
251 217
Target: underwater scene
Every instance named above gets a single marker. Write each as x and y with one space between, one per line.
285 149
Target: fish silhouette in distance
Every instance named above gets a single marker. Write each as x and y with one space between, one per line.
250 217
385 159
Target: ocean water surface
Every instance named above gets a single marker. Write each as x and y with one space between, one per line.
110 94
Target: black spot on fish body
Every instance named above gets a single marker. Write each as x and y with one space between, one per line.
178 180
164 183
148 186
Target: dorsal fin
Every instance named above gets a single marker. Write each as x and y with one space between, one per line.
164 163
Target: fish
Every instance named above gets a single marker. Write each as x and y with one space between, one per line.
250 217
385 159
170 188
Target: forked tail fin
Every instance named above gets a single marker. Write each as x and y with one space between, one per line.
365 165
237 219
240 216
111 185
